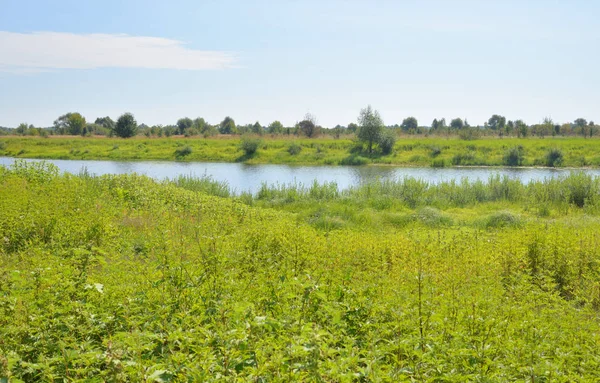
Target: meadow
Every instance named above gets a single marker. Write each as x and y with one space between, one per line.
408 151
123 278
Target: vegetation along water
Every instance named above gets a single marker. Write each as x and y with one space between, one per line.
125 278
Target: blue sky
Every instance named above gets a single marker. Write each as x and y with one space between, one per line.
267 60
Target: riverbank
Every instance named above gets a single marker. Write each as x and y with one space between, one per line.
408 152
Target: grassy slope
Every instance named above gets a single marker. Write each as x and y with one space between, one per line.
121 278
323 151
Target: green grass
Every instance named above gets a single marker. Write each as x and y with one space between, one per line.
122 278
423 151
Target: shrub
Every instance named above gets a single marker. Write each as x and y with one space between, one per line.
554 157
462 158
438 163
387 140
432 217
514 156
502 219
2 146
435 151
294 149
182 152
250 145
354 160
469 134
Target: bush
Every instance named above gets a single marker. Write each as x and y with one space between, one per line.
502 219
469 134
2 146
250 145
182 152
387 140
462 158
438 163
514 156
354 160
554 157
432 217
294 149
435 151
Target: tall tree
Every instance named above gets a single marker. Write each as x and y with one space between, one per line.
497 122
227 126
370 126
183 124
126 126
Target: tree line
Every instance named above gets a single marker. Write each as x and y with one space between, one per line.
125 126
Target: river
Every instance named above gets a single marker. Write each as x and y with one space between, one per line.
242 177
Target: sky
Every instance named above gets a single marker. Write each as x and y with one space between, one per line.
278 60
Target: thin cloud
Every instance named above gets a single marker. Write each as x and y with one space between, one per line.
44 51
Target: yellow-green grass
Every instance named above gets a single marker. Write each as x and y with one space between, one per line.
122 278
408 151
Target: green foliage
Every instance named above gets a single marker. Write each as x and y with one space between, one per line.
370 127
294 149
514 156
183 152
554 157
387 140
70 123
227 126
250 145
502 219
354 160
126 126
121 278
438 163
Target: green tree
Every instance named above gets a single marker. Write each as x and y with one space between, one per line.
227 126
70 123
275 127
183 124
257 128
497 122
105 122
126 126
370 126
457 124
309 126
409 124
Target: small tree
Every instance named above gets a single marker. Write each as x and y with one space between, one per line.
183 124
70 123
387 140
126 126
309 126
227 126
409 124
275 127
250 144
457 124
370 126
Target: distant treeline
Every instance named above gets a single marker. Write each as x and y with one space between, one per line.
126 126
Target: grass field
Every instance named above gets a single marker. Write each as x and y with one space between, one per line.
122 278
424 151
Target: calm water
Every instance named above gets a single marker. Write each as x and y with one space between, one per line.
242 177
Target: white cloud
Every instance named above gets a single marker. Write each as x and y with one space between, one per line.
43 51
